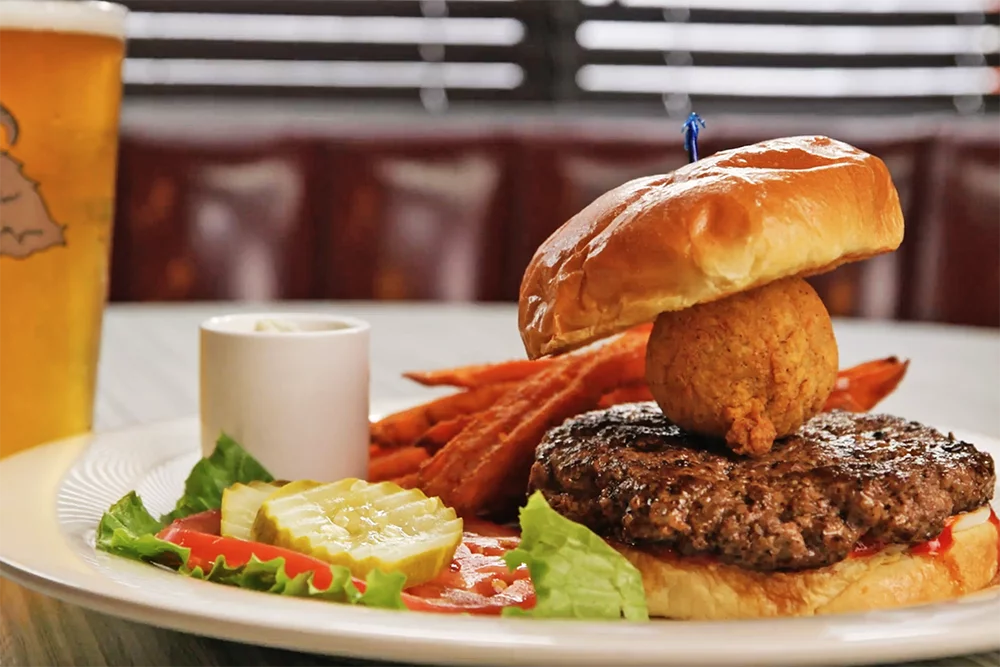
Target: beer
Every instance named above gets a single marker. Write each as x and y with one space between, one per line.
60 93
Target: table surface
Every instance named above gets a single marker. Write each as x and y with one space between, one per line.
149 373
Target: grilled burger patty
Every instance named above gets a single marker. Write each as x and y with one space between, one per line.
630 475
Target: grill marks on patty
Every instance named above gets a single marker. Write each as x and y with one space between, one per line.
630 475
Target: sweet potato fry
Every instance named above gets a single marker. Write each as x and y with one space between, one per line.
477 376
631 393
403 428
487 463
410 481
398 463
505 371
460 456
862 387
437 436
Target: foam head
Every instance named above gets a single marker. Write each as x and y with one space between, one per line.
96 18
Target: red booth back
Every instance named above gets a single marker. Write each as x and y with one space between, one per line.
214 222
409 218
456 214
957 272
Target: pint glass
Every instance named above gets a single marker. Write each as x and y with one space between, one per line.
60 94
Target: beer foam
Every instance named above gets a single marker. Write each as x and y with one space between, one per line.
95 18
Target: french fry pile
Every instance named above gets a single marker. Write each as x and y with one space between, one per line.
474 448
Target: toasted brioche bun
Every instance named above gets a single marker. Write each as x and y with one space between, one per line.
695 589
724 224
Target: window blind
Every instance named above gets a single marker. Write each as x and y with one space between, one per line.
855 56
431 50
789 55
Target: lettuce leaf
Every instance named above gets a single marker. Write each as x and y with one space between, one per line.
128 529
382 590
228 464
576 574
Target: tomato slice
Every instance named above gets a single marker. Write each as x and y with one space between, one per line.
206 549
476 582
209 521
483 528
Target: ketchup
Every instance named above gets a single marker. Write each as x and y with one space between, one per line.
938 545
934 547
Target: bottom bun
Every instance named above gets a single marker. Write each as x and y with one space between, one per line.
698 589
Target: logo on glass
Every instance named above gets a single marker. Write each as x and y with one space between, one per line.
26 226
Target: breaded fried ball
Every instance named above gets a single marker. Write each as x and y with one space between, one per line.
749 368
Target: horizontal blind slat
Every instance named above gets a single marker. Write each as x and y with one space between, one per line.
474 49
878 54
788 39
716 59
813 6
455 8
749 14
526 55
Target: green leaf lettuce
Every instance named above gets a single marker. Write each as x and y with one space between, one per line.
382 590
228 464
576 574
128 529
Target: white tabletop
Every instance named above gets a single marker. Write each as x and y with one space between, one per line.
149 354
149 363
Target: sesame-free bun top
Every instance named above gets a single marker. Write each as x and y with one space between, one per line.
724 224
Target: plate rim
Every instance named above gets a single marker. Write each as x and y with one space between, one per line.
541 640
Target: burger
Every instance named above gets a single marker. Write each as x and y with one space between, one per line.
733 493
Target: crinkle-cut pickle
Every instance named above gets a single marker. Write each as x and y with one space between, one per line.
363 527
240 503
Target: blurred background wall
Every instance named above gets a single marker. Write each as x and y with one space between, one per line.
422 149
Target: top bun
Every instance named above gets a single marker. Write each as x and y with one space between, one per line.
724 224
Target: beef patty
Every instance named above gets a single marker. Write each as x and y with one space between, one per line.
630 475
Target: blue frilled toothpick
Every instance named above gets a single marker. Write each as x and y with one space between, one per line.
691 130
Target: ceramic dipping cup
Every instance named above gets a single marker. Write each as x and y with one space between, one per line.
291 388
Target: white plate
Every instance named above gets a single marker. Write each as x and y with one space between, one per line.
52 497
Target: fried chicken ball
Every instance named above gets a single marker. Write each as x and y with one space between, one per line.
749 368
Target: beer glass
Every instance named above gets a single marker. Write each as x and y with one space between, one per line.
60 94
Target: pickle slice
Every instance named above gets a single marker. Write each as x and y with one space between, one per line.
364 527
288 488
240 503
